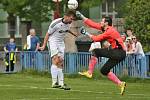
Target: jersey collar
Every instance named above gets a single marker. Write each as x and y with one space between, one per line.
63 21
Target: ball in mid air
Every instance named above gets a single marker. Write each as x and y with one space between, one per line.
72 4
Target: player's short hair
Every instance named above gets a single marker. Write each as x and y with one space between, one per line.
109 20
71 13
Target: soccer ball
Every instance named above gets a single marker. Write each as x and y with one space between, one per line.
72 4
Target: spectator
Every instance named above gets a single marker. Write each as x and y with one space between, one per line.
33 44
129 32
10 59
129 45
130 57
140 56
33 41
137 46
129 42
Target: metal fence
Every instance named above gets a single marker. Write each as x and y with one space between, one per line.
133 65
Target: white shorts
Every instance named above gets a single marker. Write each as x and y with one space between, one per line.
56 49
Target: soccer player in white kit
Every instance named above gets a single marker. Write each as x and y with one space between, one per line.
55 37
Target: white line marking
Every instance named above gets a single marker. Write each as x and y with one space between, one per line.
34 87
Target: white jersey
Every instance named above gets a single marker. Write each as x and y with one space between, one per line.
57 31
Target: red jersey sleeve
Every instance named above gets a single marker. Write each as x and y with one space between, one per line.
92 24
101 37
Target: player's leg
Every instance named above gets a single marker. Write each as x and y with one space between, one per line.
61 49
105 70
54 75
93 61
54 68
58 63
114 60
60 75
91 67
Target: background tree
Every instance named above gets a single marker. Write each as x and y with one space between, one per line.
38 10
89 3
137 17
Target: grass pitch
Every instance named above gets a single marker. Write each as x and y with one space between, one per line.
35 87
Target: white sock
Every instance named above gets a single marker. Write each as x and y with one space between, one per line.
54 74
60 77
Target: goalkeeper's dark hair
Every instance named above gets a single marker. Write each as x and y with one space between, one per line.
70 13
109 20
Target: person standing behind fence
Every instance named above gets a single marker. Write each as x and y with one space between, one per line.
116 54
55 37
140 56
33 42
10 58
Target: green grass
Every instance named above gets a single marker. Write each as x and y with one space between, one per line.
36 87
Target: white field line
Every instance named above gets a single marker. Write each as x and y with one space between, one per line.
97 92
34 87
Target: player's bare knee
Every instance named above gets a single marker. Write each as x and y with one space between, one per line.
55 59
58 61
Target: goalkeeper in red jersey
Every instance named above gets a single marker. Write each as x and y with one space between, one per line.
116 53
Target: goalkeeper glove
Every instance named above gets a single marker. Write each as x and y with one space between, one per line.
83 31
79 15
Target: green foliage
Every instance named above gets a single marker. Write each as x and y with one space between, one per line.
40 10
89 3
137 17
13 6
32 10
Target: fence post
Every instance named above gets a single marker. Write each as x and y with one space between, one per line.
143 67
71 61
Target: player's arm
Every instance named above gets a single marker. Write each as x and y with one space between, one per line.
45 41
88 21
92 24
51 30
72 33
97 38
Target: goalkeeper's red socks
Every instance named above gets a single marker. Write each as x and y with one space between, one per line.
111 76
92 64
